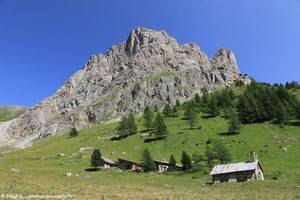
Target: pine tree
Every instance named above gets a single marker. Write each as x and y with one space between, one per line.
132 127
209 155
221 152
127 126
204 102
193 119
234 123
189 110
160 126
174 111
186 161
167 111
298 111
147 161
213 107
177 103
281 115
172 162
122 128
197 99
156 109
73 132
196 162
148 118
96 159
248 108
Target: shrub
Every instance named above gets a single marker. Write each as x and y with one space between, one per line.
73 132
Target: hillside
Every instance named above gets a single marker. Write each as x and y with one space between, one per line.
148 68
43 171
10 112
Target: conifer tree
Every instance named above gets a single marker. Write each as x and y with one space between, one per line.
167 111
174 111
132 127
96 159
156 109
193 119
221 152
160 126
204 102
196 162
147 161
281 115
127 126
186 161
172 162
148 118
234 123
213 107
209 155
197 99
177 103
248 108
189 110
122 128
298 111
73 132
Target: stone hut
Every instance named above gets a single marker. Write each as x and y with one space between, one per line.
238 172
108 163
129 165
163 166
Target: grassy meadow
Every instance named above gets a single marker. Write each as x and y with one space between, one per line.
42 170
10 112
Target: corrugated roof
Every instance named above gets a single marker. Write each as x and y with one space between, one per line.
234 167
109 161
166 162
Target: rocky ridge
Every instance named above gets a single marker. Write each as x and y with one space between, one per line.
149 68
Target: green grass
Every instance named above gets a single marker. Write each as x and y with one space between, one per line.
43 172
10 112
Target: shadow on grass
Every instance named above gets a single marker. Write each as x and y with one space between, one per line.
148 140
119 137
208 116
227 134
295 123
92 169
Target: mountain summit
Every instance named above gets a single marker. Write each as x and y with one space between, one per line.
149 68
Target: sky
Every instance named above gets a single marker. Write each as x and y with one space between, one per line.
42 43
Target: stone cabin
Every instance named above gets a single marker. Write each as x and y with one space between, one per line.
129 165
238 172
163 166
107 163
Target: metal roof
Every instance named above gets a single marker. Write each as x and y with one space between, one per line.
166 162
109 161
234 167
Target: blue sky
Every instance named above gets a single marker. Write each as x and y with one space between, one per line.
42 43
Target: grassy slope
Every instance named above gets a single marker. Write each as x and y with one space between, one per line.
43 171
10 112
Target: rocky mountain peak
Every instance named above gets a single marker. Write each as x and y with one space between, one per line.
150 68
142 37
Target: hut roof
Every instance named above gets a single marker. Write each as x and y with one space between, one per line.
166 163
235 167
129 161
106 160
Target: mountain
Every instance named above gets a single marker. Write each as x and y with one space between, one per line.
149 68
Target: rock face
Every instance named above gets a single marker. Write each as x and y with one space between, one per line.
149 68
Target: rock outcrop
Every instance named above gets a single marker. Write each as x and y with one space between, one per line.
149 68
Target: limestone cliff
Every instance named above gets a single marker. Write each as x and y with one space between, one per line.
149 68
